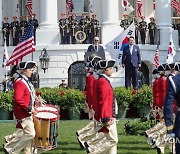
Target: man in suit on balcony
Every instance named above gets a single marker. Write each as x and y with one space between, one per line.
131 61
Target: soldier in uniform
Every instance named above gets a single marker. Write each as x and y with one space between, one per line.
178 28
36 25
152 29
6 30
93 28
64 28
83 23
142 28
173 128
73 28
125 22
15 30
136 28
23 25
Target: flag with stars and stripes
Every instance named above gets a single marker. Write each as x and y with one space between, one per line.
156 57
24 47
29 7
176 5
139 8
69 7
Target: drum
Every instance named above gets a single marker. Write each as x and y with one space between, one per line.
46 127
48 107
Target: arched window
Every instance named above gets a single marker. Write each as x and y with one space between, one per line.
77 75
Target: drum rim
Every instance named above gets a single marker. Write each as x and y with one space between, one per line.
48 105
46 119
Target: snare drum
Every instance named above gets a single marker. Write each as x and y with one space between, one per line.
48 107
46 127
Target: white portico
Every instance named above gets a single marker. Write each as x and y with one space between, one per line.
109 13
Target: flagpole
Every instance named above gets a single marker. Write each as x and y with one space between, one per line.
5 48
32 55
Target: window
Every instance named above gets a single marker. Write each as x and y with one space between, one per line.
80 6
22 7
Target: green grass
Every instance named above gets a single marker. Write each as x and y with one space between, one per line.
67 142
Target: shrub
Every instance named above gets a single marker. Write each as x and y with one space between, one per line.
124 96
143 97
6 101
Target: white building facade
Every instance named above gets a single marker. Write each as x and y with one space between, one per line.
67 61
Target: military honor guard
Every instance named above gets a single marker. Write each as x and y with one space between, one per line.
24 98
105 112
88 131
84 24
15 30
125 22
64 29
157 136
23 25
142 29
36 25
173 128
73 28
6 30
152 30
93 28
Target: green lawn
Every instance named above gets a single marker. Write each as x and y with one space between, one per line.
67 142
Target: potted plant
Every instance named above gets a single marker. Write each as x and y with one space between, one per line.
6 105
143 100
73 100
124 98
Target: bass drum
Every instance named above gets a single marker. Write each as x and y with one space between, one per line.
80 36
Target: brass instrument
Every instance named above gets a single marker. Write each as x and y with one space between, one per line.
14 32
4 30
23 29
62 27
73 27
83 27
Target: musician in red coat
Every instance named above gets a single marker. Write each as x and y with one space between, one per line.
24 97
104 98
88 131
162 85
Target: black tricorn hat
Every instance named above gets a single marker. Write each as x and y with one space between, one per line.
94 61
162 67
169 67
177 67
26 65
155 71
103 64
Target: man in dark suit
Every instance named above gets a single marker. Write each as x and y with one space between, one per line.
131 61
95 47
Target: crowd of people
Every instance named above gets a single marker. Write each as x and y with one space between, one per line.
165 109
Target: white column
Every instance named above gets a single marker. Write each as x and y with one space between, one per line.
110 21
48 31
163 20
1 18
48 14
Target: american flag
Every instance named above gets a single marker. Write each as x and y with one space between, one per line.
69 7
29 7
139 8
176 5
154 5
25 46
5 54
156 57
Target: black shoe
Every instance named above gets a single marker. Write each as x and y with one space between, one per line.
145 134
86 145
158 150
77 133
81 145
5 151
87 150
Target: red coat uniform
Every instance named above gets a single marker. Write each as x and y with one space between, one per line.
89 89
156 93
22 100
105 100
162 90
